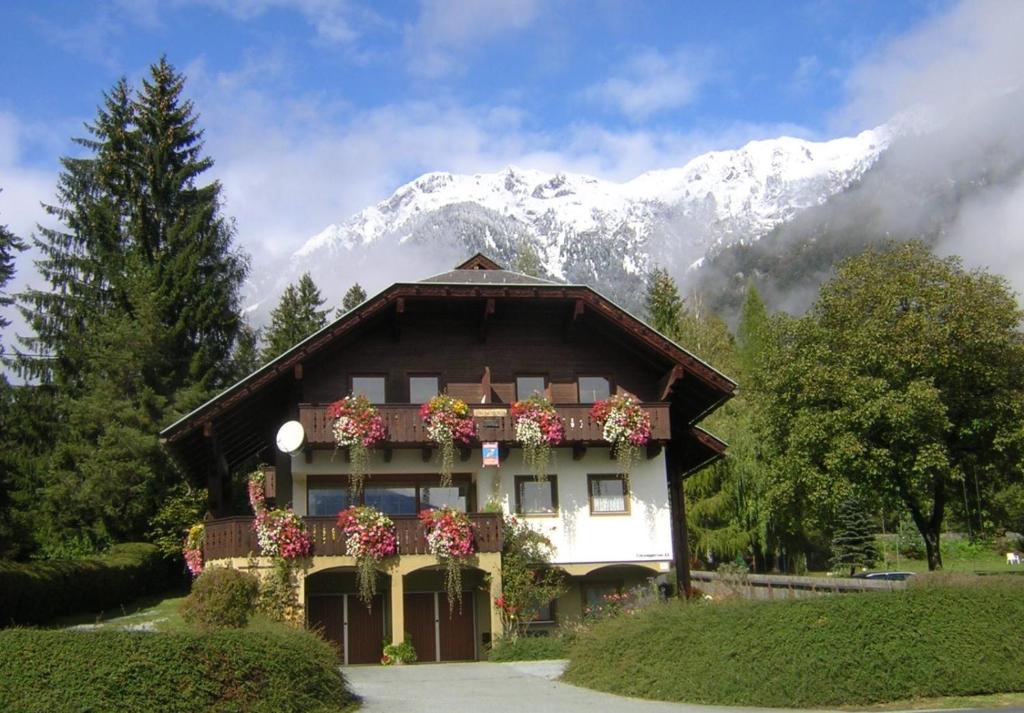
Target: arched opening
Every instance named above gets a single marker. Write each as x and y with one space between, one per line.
334 608
589 587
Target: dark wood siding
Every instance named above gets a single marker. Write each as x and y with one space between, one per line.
447 338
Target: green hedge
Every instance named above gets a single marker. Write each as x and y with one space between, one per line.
928 640
280 671
35 592
530 648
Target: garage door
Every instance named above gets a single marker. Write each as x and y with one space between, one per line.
436 633
345 620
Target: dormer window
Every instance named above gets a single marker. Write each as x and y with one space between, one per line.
593 389
372 387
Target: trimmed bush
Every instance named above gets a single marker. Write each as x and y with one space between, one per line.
225 671
221 598
35 592
529 648
932 639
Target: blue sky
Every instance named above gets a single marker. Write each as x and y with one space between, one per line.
316 108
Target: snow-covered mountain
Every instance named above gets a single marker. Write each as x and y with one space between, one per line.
585 229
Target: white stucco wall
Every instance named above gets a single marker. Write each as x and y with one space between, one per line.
644 535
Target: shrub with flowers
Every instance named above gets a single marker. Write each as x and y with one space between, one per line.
448 422
450 538
359 427
193 548
626 425
630 602
538 428
370 537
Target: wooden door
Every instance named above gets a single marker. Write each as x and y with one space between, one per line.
420 623
327 613
456 628
365 629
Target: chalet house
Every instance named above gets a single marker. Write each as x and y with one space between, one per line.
489 337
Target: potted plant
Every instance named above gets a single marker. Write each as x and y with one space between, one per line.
626 426
449 535
448 422
370 537
538 428
359 427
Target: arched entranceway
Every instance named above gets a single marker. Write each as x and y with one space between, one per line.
334 608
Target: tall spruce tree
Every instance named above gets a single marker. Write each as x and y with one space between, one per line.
246 358
296 316
10 246
354 296
853 544
664 306
141 311
10 538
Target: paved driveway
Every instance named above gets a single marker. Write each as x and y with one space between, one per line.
491 687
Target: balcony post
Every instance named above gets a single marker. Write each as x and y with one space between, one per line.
397 606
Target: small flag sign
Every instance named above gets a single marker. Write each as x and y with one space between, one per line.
490 454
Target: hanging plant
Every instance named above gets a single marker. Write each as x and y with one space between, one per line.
359 427
625 425
538 428
448 422
280 532
193 548
449 538
370 537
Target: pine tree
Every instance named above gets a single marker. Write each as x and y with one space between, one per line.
141 312
296 316
752 332
10 245
354 297
246 358
664 306
853 544
528 260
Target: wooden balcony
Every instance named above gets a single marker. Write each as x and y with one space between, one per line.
493 423
234 536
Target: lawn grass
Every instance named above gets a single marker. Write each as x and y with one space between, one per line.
158 612
934 639
991 700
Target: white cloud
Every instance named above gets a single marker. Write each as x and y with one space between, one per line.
446 29
944 66
332 19
652 82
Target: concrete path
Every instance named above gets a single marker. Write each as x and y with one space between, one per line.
493 688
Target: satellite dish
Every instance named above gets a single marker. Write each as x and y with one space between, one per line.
290 437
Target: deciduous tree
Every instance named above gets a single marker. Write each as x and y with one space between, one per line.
904 378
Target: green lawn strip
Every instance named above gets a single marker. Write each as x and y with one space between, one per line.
853 649
160 609
238 670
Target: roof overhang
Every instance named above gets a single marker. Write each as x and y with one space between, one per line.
396 295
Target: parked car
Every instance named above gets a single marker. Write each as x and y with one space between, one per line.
892 576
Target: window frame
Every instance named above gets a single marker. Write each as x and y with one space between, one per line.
415 480
579 391
545 392
553 606
626 494
409 376
552 483
370 375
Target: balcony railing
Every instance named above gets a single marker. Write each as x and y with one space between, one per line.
234 536
493 423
